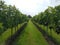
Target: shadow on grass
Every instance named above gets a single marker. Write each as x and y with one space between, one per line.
46 36
11 39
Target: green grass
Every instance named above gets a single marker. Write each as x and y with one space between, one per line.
7 34
54 35
0 24
30 36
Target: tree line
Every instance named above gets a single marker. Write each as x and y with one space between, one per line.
10 16
50 18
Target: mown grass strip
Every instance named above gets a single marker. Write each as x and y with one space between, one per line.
7 34
30 36
11 39
54 36
47 37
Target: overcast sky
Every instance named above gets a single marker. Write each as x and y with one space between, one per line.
32 7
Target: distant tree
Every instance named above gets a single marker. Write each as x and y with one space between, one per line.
29 16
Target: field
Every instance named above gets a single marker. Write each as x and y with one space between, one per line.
30 36
18 28
53 35
7 34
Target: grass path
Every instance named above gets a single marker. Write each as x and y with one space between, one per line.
55 36
7 34
30 36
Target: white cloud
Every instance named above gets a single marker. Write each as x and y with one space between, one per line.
30 7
